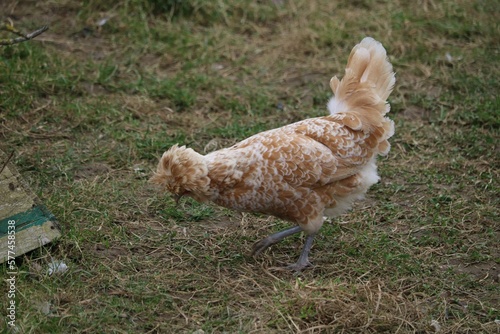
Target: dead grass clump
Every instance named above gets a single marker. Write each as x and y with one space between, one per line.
368 307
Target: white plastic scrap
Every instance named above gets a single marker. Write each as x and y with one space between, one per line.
102 22
57 267
451 59
436 325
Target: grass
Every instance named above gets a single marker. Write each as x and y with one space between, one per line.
89 109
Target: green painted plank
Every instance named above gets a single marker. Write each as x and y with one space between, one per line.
35 225
23 220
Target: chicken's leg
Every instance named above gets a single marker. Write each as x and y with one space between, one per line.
303 261
263 244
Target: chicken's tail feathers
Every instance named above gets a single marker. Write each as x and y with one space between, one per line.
361 95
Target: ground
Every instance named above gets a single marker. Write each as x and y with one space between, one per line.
89 106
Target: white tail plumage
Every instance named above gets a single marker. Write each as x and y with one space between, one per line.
363 91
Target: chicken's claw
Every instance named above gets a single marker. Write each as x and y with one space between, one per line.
262 245
299 266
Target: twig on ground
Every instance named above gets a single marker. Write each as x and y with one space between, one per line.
6 161
8 26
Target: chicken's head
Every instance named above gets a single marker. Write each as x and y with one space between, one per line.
183 172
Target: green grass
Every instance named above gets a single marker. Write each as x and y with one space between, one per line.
89 112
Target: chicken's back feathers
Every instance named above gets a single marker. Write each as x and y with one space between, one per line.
298 172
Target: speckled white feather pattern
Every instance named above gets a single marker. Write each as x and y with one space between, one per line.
302 171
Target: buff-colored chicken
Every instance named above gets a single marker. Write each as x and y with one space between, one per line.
304 171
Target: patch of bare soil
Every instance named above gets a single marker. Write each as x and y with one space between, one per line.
91 170
482 271
112 253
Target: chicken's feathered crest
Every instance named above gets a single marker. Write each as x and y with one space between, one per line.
181 171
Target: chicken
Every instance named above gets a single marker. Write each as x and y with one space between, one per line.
304 171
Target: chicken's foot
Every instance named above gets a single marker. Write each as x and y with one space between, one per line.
303 261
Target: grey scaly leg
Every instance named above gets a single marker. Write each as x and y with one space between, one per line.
263 244
303 261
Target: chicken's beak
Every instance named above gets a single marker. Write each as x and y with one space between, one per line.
177 198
